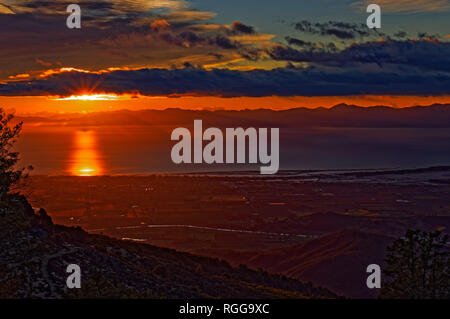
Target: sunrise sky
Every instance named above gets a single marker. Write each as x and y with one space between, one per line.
205 54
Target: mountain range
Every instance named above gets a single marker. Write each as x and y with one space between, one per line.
341 115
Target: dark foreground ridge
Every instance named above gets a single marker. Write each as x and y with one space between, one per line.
35 253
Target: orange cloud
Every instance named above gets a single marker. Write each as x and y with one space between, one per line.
252 38
43 63
159 24
189 15
5 10
50 72
19 76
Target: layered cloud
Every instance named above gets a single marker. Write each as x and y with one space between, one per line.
232 83
338 29
166 47
113 9
344 47
116 33
407 55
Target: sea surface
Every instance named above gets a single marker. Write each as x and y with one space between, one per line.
109 150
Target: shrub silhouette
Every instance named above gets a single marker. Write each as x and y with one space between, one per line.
418 267
9 175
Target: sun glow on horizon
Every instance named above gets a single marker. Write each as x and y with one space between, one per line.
90 97
35 105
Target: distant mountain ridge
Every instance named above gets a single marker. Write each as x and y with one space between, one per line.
340 115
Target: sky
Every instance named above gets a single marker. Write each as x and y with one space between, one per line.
205 54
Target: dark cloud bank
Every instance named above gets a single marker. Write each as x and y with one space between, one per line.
289 81
393 66
410 54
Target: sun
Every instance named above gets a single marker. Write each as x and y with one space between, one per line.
90 97
85 172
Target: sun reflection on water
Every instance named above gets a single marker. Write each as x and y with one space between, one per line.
85 157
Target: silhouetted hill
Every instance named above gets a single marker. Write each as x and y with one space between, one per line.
35 253
337 261
341 115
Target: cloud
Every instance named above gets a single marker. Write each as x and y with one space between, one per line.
239 27
159 24
431 55
406 6
116 33
299 42
233 83
107 12
5 9
189 15
94 7
143 46
340 30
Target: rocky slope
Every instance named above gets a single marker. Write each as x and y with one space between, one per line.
35 253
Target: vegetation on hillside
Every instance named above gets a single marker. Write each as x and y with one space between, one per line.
9 174
418 267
